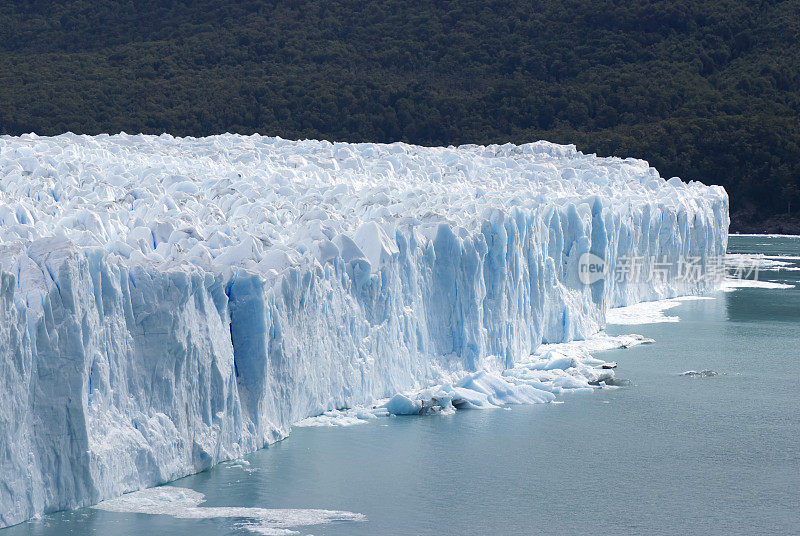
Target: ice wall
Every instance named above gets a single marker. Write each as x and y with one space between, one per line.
167 304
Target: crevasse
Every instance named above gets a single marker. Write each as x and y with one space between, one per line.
167 304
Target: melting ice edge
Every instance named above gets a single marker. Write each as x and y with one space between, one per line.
167 304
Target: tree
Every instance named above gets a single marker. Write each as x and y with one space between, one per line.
790 193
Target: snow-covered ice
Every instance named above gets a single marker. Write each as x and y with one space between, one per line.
167 304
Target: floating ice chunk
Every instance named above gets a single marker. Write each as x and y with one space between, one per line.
729 285
343 417
184 503
596 343
643 313
464 398
500 392
556 369
771 235
648 312
555 360
742 261
401 404
702 374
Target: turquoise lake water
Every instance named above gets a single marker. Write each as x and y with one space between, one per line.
666 454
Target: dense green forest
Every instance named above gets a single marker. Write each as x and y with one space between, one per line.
703 89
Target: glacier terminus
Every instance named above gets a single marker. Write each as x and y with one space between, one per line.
167 304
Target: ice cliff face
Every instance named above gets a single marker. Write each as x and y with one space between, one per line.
166 304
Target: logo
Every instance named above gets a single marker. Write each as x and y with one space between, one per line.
591 268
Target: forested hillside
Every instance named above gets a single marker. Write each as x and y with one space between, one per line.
704 89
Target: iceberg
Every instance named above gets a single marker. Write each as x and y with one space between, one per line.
167 304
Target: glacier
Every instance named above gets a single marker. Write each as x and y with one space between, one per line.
167 303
